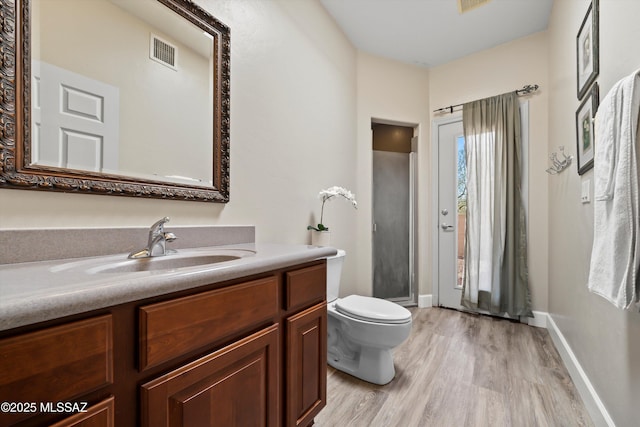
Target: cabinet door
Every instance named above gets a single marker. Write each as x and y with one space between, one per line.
306 368
234 386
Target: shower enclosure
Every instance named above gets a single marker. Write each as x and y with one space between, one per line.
394 213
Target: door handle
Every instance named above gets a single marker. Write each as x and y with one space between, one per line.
446 227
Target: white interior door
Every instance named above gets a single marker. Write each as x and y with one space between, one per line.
76 120
451 212
36 110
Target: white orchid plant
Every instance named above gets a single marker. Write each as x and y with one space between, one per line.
329 194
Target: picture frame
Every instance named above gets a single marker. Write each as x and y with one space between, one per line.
585 136
587 50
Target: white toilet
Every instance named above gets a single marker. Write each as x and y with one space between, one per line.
362 331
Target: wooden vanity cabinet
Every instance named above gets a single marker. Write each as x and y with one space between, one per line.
248 352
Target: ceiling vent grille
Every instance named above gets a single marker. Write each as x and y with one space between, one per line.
163 52
467 5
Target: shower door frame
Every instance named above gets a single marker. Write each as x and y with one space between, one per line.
412 298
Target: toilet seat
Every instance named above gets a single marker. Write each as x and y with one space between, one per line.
372 309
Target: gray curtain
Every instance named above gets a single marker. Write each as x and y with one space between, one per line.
496 274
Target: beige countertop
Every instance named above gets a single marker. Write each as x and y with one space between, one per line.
33 292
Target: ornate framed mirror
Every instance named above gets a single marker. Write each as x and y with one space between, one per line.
115 97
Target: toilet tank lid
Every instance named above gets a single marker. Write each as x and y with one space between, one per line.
373 309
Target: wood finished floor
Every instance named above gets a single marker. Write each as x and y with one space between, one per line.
459 369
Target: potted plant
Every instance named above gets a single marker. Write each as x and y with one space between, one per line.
320 235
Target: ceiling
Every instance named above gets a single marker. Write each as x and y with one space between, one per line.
432 32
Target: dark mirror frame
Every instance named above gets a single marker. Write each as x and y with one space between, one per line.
16 170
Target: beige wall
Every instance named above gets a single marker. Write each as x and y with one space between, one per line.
390 91
605 340
503 69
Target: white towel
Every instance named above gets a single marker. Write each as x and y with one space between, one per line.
615 256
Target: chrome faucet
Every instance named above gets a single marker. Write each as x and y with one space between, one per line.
156 246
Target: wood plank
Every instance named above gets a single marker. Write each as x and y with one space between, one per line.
459 369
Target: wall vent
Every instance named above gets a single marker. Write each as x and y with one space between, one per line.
163 52
467 5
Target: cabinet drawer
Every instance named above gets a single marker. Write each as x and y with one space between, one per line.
306 286
173 328
56 364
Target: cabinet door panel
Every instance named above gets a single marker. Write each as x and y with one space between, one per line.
306 365
218 389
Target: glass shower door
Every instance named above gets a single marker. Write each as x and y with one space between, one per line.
393 226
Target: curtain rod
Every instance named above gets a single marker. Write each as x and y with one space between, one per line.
524 91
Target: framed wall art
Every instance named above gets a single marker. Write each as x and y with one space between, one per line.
587 50
585 138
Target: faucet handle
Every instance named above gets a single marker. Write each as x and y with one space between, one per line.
159 225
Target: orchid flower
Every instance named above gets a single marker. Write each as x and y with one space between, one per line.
329 194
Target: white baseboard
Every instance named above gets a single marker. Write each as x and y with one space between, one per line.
539 319
599 414
425 301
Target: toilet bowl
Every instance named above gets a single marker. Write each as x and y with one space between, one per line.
362 331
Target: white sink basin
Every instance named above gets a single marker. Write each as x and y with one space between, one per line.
182 259
161 263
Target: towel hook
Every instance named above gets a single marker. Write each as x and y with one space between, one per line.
559 164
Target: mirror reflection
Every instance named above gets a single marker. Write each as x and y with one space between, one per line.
122 87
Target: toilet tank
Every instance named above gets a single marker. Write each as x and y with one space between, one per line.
334 271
